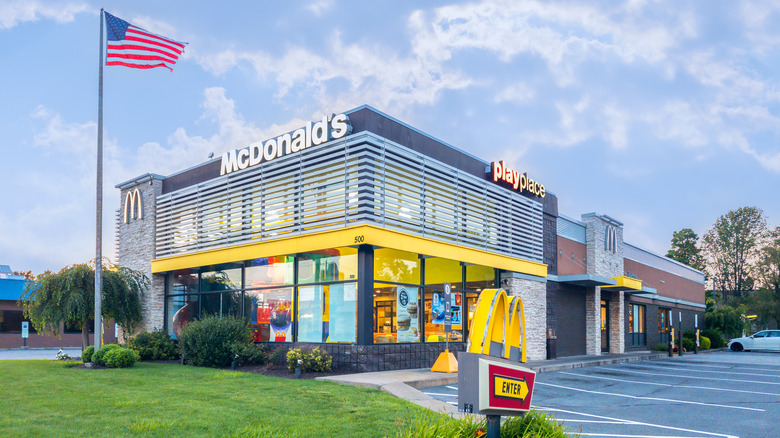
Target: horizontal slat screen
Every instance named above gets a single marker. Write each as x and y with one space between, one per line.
363 179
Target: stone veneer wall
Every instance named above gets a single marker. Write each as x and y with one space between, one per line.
534 296
606 264
383 357
136 249
593 321
617 324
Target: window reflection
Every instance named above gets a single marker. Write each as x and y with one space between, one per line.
270 314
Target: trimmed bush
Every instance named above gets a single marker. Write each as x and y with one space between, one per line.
689 334
120 358
704 342
156 345
213 341
252 354
716 339
314 361
661 347
86 355
99 357
688 344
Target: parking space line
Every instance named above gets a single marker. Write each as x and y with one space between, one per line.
636 397
622 369
632 436
445 395
672 365
453 387
631 422
670 385
703 364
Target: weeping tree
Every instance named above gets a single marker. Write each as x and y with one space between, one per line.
69 296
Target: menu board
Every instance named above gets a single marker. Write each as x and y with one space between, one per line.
407 320
438 308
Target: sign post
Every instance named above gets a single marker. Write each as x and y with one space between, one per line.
25 332
680 335
446 363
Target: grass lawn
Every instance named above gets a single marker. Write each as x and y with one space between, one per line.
48 398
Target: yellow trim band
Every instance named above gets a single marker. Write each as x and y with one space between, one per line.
359 234
625 283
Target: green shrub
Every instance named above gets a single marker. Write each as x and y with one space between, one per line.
86 355
715 337
661 347
689 334
252 354
99 357
688 344
533 424
120 358
704 342
277 355
314 361
213 341
156 345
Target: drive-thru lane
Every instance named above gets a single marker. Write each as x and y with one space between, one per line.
721 394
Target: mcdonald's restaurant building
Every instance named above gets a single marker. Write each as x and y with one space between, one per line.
343 234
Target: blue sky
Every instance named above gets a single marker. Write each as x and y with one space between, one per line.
663 115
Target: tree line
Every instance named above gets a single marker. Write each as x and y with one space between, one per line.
740 256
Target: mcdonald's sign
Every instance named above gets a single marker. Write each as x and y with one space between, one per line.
498 326
132 199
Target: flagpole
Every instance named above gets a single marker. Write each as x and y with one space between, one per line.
99 207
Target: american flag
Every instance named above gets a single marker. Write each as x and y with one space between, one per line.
133 47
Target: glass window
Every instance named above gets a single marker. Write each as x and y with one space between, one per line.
222 304
337 264
439 271
269 271
396 313
434 315
184 281
396 266
219 278
270 313
181 310
480 277
11 321
327 313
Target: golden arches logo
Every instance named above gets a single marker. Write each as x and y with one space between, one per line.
130 211
498 326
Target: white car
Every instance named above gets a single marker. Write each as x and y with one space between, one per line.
763 340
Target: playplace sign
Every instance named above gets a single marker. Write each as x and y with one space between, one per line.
500 173
313 134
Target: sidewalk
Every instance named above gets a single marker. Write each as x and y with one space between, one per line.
36 353
406 384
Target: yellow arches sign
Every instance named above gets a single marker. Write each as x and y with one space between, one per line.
498 326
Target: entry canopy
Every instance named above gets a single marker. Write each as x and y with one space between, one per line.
584 280
626 284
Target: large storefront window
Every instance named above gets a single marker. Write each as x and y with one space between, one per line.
437 272
396 266
327 313
269 271
636 325
480 277
220 278
181 310
396 313
338 264
270 313
11 322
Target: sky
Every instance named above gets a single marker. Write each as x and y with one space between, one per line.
662 114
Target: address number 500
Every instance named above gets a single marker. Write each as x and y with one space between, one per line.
359 239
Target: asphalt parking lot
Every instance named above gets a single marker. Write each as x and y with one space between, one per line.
720 394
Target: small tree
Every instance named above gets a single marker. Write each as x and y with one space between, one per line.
69 295
685 249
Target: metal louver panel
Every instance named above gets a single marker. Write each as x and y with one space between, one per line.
362 179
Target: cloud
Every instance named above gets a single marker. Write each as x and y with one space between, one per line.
347 75
518 93
13 13
320 6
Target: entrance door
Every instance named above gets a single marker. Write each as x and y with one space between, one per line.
604 326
